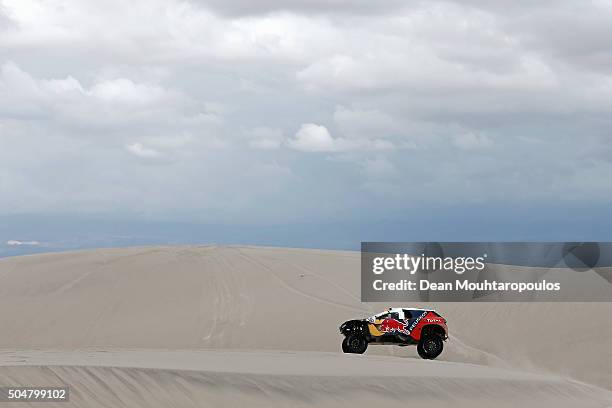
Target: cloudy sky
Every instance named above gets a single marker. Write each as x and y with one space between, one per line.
249 113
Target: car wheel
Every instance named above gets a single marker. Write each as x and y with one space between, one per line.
355 343
430 347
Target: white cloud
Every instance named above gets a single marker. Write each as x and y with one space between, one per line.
249 7
13 242
123 90
137 149
316 138
312 138
106 103
218 90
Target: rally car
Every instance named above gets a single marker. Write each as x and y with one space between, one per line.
399 326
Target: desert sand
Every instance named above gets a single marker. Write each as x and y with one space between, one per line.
251 326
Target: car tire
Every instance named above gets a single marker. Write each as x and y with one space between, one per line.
430 347
355 344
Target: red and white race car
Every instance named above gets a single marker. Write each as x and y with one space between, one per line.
400 326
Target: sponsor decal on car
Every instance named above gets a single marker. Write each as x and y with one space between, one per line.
416 321
392 325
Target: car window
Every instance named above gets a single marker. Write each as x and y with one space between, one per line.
394 315
407 314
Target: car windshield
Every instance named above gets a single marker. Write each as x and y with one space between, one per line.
387 315
380 316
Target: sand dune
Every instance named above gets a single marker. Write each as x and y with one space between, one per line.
116 316
262 379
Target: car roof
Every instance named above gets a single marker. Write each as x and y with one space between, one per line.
398 309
